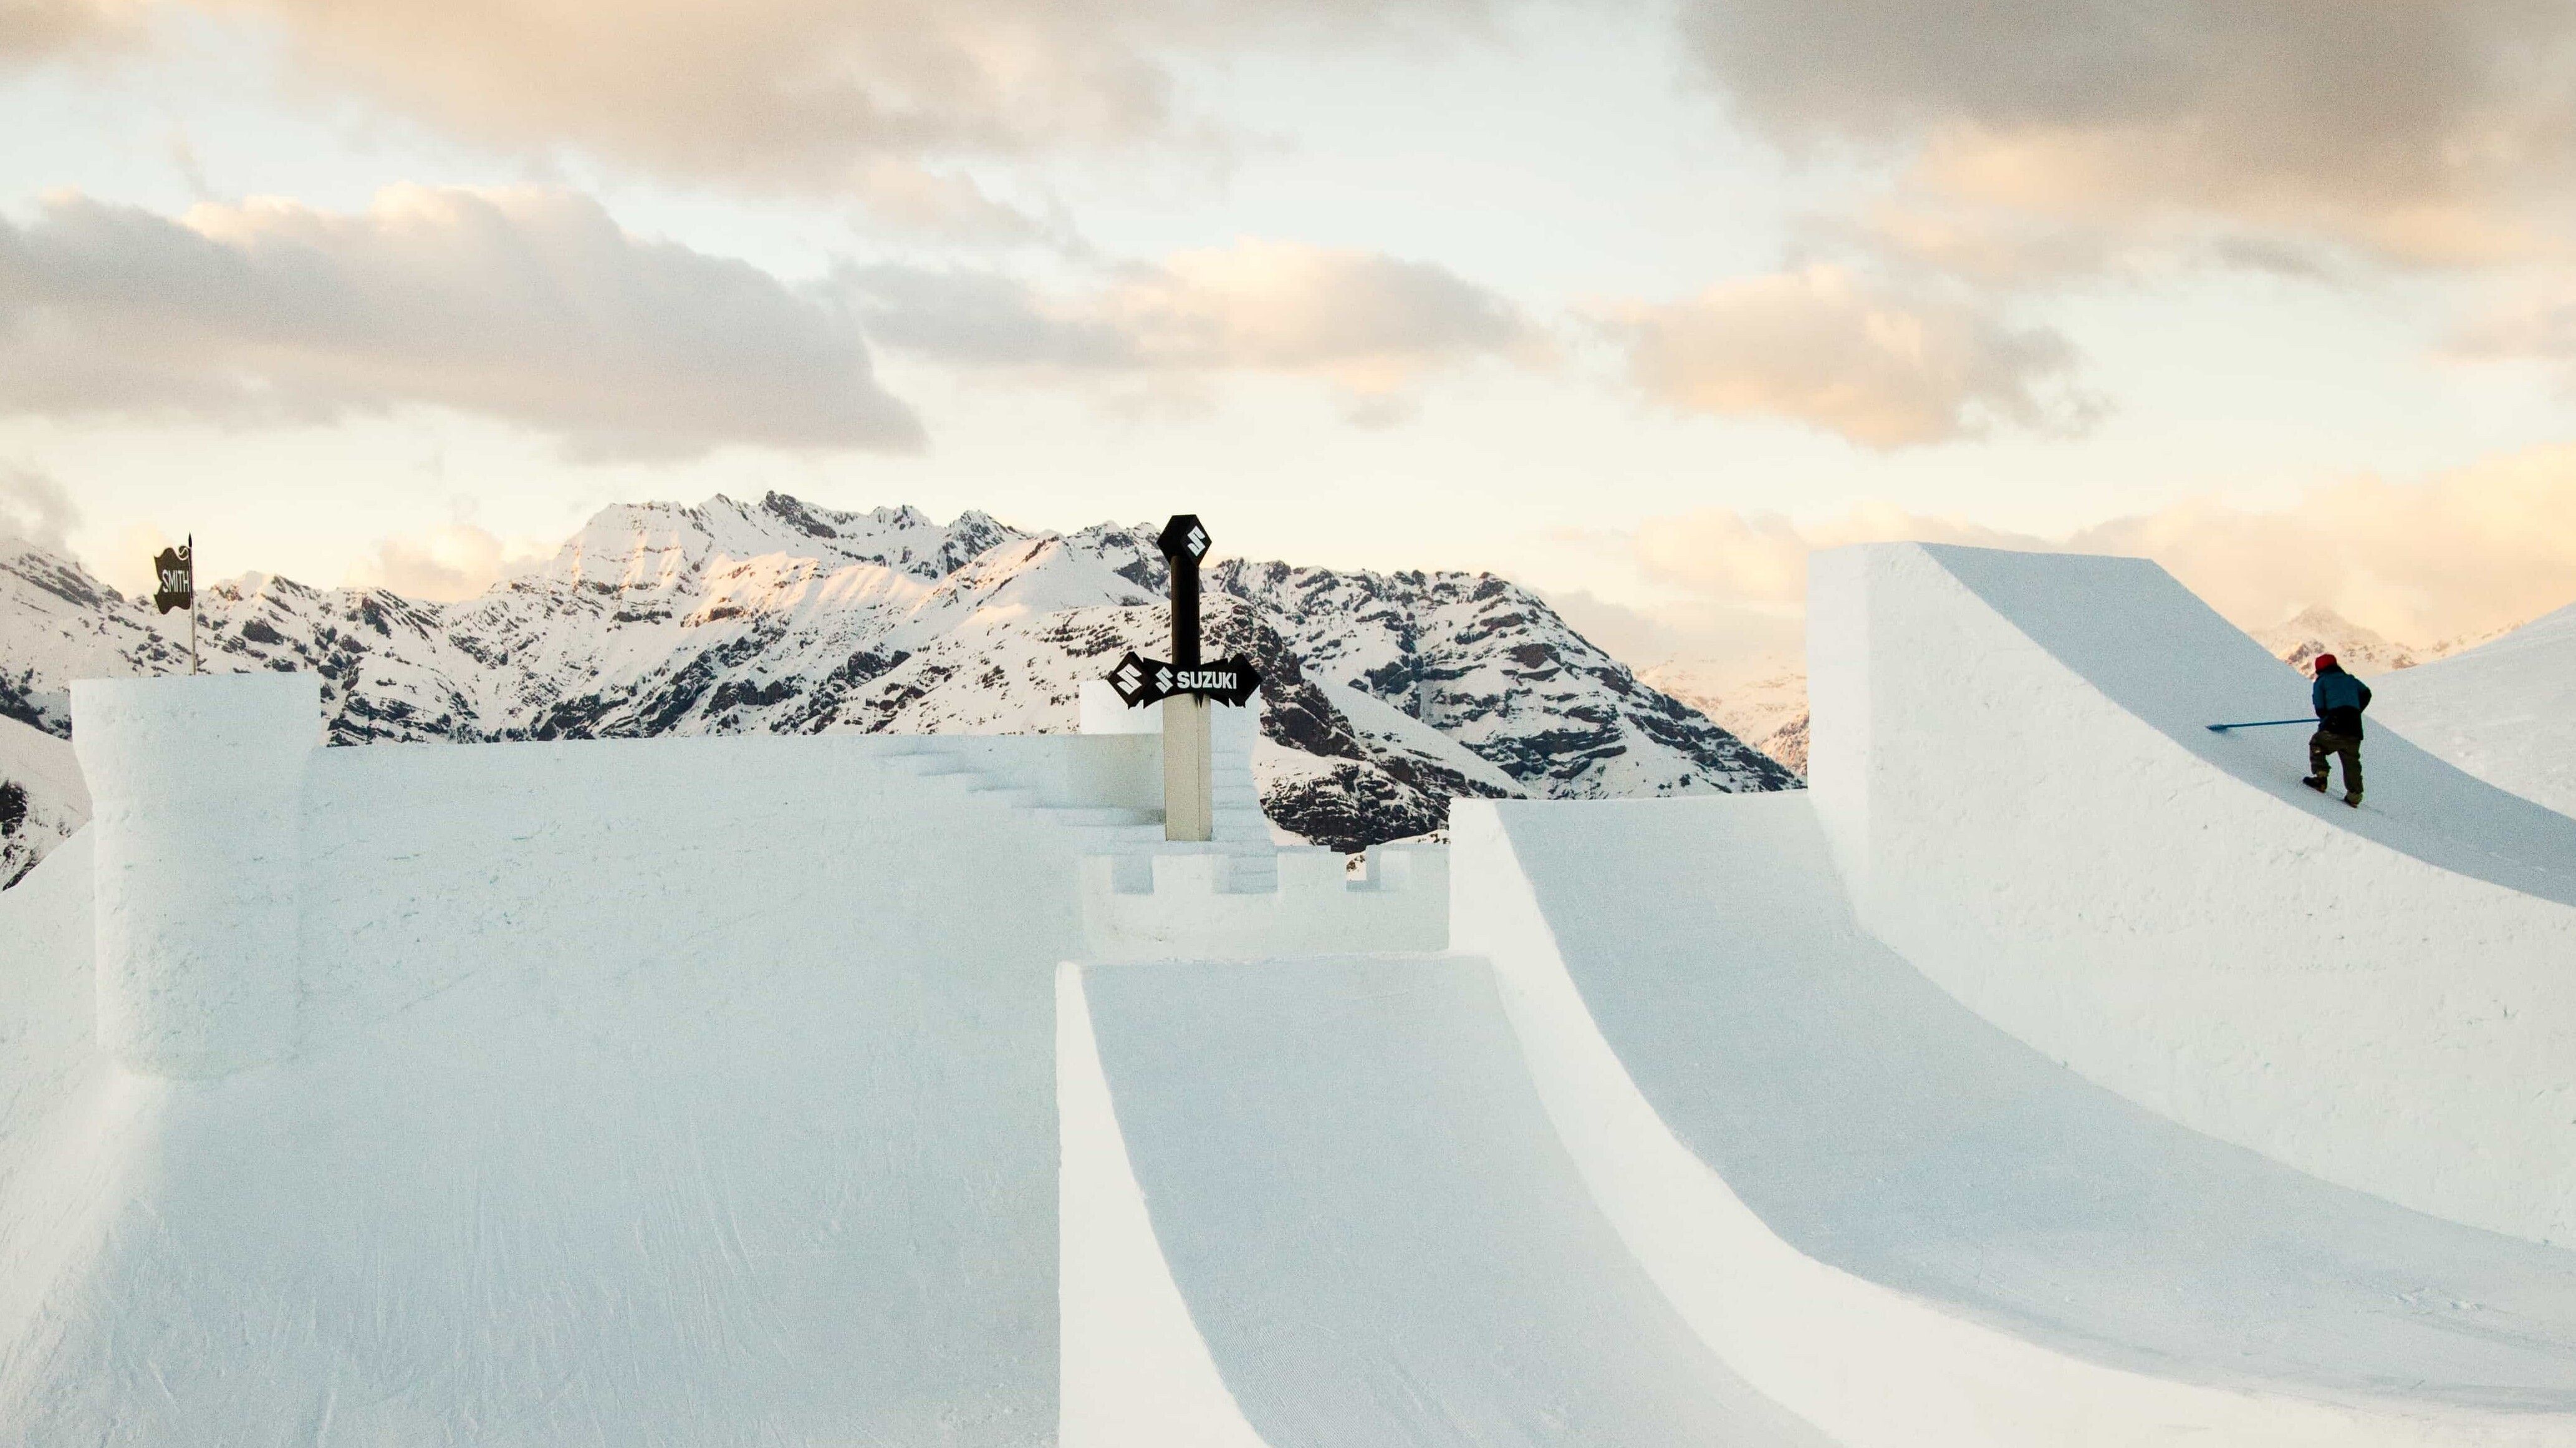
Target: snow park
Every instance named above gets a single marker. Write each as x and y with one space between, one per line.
2054 1069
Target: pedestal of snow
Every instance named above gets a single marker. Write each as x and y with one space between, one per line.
197 791
2010 760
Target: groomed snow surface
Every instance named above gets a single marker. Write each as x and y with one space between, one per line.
2052 1073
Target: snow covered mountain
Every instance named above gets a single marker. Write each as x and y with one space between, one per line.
1385 695
42 797
1764 705
2320 630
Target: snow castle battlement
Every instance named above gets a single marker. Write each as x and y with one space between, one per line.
1189 909
255 892
197 787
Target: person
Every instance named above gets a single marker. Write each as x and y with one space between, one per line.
2339 699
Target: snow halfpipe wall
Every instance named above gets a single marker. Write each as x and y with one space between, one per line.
2011 760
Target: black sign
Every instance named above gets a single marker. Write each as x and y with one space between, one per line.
1140 681
176 572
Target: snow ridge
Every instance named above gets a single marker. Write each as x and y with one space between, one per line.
781 616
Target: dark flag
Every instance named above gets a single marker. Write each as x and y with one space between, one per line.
177 572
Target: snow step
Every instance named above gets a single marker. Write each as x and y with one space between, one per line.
1078 816
927 765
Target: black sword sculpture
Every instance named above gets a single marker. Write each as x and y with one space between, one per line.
1140 680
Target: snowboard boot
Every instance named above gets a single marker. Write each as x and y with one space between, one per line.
2353 799
2316 782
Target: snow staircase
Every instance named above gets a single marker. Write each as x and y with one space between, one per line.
1130 836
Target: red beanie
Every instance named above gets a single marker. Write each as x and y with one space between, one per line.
2326 661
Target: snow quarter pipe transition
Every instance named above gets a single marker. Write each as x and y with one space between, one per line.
1369 1229
2010 760
1910 1228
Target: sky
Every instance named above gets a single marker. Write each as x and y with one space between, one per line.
1633 302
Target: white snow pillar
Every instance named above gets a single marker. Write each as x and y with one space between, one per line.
197 800
1189 798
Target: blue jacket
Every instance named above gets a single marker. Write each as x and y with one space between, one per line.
2339 698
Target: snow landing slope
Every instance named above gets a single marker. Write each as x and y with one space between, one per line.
781 617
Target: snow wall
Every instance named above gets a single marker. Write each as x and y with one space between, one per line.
197 807
2010 760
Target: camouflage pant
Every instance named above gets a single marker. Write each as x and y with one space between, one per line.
2322 745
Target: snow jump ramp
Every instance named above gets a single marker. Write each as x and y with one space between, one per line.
2011 762
1673 1151
1317 1201
1906 1226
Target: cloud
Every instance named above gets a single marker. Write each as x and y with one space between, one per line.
454 562
1832 349
1370 324
529 306
2532 321
2460 554
35 510
33 31
902 197
795 92
1736 637
2417 131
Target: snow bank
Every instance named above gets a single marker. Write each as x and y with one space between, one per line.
1315 907
2010 761
1911 1229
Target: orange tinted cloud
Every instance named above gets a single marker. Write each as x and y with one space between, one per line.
2463 553
1832 349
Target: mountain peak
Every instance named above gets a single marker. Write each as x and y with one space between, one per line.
2317 629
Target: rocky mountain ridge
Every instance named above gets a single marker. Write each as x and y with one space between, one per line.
1385 695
